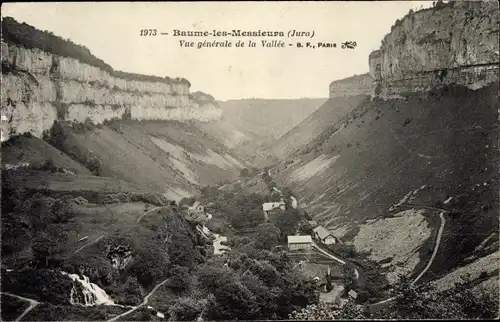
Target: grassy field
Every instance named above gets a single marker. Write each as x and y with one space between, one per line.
167 157
60 183
103 220
24 149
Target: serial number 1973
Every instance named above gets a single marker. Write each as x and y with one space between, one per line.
148 32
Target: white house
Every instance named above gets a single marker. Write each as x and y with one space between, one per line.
268 206
299 242
294 202
352 294
324 236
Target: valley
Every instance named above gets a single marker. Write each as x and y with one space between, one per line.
128 197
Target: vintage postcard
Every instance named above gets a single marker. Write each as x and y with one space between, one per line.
209 161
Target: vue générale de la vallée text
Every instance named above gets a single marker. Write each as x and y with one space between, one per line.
247 39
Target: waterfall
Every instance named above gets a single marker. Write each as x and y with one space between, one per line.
92 294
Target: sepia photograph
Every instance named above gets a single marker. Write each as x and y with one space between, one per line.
250 160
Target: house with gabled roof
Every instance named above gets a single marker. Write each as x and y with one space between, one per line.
324 236
297 242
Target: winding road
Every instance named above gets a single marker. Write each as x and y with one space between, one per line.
431 260
144 302
33 304
436 248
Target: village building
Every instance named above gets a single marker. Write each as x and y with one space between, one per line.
196 209
299 242
324 236
270 207
353 294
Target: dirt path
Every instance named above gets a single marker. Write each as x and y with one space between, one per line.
327 253
88 244
33 304
436 248
431 260
147 213
144 302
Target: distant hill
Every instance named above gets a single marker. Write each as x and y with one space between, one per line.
314 126
268 118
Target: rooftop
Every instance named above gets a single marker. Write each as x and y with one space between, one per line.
271 205
299 239
322 232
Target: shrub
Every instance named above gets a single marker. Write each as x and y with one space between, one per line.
244 173
186 309
93 164
42 284
179 279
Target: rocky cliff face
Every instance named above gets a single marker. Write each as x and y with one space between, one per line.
39 87
453 43
355 85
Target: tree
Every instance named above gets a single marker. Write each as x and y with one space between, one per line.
271 184
287 222
62 210
349 276
304 228
49 165
16 232
181 250
186 309
179 278
244 173
267 236
255 218
274 196
48 243
187 201
233 299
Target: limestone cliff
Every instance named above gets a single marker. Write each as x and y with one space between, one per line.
453 43
39 87
355 85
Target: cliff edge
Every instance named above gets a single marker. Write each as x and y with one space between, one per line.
354 85
46 78
452 43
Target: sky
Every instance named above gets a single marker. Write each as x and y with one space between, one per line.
111 31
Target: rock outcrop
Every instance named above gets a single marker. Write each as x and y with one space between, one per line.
453 43
354 85
39 87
